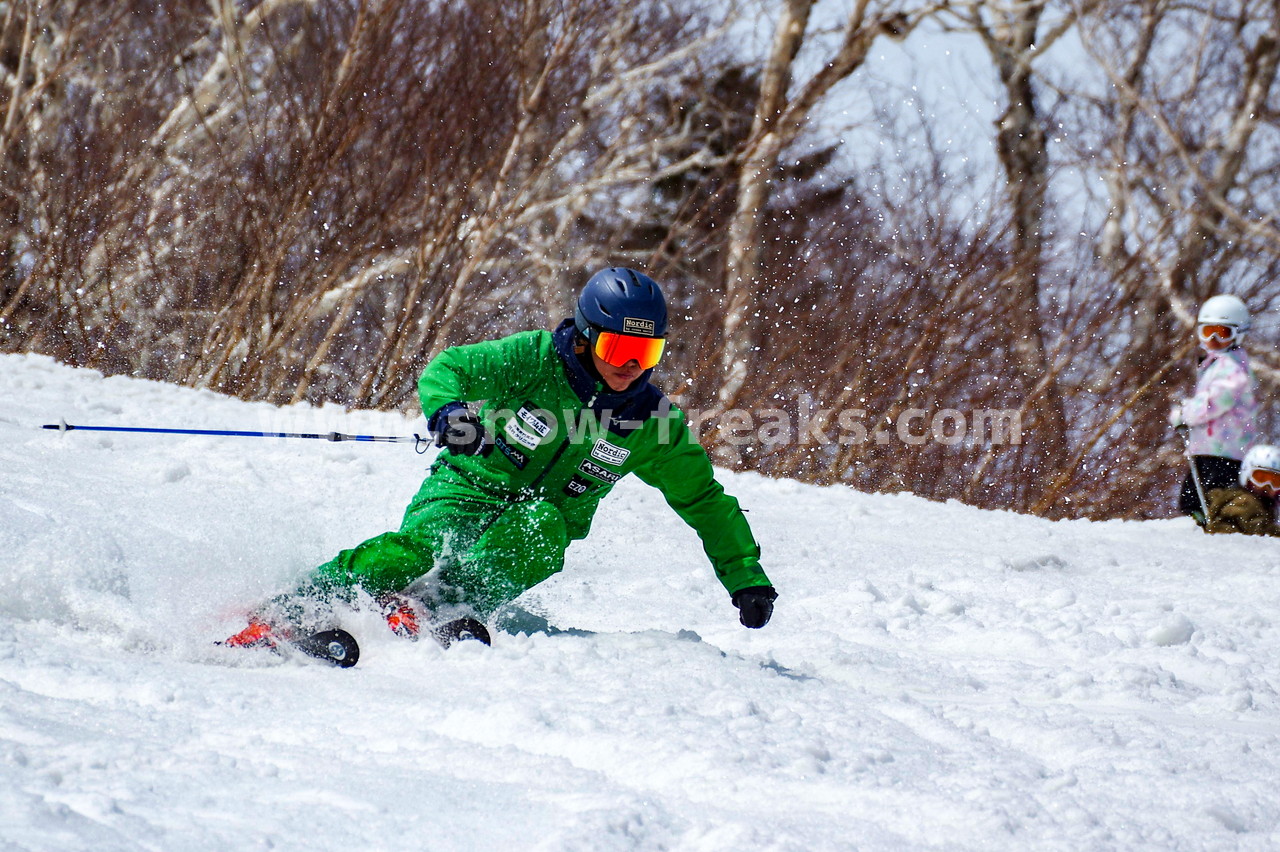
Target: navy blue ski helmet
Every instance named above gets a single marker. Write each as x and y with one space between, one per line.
621 300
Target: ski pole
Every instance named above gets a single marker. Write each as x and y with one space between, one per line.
420 444
1195 472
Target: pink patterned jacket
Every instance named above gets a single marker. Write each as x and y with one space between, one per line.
1222 415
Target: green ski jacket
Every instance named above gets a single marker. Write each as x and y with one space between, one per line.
561 435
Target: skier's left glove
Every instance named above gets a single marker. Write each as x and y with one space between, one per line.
1175 418
456 428
755 605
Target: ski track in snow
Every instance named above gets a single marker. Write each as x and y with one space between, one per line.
935 676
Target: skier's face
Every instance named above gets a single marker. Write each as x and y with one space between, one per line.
617 378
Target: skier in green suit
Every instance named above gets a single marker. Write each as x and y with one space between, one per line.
536 428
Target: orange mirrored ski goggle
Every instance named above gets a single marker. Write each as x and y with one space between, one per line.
621 349
1265 478
1216 331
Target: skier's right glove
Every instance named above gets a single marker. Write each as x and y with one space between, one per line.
755 605
1175 418
459 431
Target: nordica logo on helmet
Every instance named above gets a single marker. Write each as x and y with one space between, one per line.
632 325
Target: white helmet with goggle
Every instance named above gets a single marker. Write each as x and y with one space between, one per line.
1229 311
1261 468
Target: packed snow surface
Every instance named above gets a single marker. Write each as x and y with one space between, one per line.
935 676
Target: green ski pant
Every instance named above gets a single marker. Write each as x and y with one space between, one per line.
485 552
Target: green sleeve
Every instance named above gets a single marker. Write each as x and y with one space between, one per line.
683 473
478 371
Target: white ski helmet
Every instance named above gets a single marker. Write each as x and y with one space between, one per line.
1260 456
1225 310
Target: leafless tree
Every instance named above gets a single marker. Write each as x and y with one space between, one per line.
297 201
1182 139
784 106
1017 34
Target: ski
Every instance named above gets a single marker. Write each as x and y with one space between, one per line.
461 630
340 648
334 646
337 647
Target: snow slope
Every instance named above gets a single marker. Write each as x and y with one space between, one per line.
936 677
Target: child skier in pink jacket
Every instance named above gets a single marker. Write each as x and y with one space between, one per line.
1221 416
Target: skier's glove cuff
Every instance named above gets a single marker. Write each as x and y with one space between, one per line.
755 605
458 430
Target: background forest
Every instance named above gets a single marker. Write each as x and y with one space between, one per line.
296 200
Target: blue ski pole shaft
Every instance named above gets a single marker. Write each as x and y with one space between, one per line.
322 436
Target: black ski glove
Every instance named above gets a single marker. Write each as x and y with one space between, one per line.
755 605
459 431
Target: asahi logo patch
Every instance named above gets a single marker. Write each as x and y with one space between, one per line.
602 473
632 325
609 453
